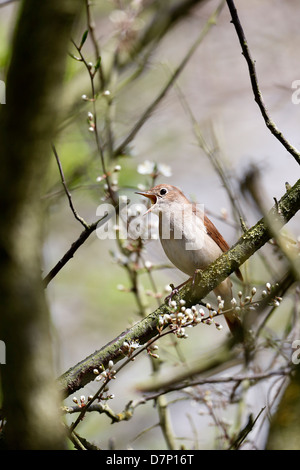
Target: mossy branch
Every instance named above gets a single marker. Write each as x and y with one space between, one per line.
251 241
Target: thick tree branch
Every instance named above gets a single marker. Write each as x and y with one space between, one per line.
27 126
251 241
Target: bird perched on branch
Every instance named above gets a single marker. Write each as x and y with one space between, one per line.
190 240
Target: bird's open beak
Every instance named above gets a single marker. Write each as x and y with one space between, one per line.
150 196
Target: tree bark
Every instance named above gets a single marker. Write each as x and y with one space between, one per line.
27 126
82 373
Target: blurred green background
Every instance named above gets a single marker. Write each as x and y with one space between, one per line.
87 307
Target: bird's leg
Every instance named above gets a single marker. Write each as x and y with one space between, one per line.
175 290
195 275
198 271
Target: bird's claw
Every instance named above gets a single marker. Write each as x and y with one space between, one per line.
169 297
195 275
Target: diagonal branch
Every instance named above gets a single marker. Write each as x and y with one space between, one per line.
254 82
74 247
165 18
251 241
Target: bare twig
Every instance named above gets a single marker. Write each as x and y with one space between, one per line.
74 247
80 219
162 406
91 29
92 74
212 154
245 431
108 378
254 82
284 371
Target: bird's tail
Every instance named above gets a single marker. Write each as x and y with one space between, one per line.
224 290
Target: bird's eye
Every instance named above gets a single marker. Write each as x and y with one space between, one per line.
163 191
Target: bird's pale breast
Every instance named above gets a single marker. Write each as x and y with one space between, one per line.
186 242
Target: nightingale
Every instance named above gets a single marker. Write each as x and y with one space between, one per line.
190 240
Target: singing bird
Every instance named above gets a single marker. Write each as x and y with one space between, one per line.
190 240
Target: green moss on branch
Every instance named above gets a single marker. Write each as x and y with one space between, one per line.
82 373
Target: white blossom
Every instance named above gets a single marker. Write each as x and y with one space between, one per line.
148 167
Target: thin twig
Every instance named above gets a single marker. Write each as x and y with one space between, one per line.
91 28
212 154
245 431
285 371
97 395
80 219
254 82
131 406
162 407
96 130
74 247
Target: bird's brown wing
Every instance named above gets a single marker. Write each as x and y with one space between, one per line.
217 237
215 234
